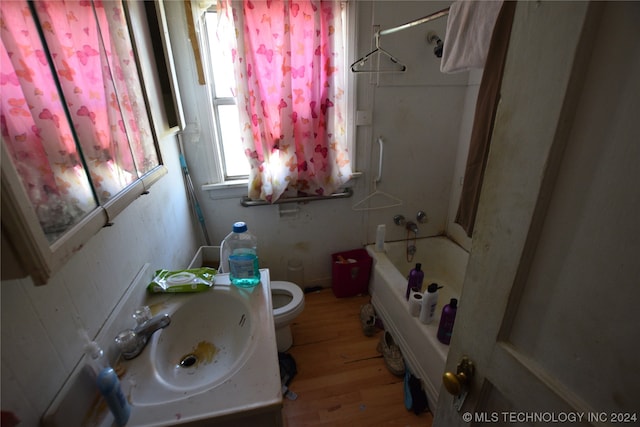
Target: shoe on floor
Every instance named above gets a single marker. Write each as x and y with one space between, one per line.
391 354
368 319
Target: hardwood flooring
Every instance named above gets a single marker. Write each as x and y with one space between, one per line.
342 380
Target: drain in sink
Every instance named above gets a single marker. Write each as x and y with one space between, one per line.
203 353
188 361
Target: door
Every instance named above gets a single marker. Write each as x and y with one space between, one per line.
548 313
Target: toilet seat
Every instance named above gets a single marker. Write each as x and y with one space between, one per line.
290 311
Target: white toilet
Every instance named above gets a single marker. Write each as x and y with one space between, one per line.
288 302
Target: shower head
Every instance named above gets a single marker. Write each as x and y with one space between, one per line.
432 38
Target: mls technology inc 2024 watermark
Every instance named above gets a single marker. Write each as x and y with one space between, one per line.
550 417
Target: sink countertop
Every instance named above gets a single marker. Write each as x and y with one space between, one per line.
255 387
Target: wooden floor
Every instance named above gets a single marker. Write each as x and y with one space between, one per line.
342 380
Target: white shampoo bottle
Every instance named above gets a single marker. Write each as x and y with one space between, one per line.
429 303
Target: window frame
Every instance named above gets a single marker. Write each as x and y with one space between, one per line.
227 187
215 102
24 243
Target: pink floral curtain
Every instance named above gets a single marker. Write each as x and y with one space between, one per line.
288 58
108 141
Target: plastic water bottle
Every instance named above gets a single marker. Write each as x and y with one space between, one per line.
239 256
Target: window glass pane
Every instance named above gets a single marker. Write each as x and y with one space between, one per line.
99 79
83 69
236 163
223 78
35 129
127 86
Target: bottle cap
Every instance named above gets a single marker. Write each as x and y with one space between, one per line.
239 227
453 303
432 288
92 349
418 266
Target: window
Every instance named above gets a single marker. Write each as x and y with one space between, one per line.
74 124
225 109
280 103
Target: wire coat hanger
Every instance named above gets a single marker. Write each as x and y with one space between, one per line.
399 67
392 201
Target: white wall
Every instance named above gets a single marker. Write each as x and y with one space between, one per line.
40 344
417 113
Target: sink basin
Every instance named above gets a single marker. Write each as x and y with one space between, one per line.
206 342
210 338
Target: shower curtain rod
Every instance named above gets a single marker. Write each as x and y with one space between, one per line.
431 17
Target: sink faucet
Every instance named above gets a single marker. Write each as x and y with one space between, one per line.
131 342
412 226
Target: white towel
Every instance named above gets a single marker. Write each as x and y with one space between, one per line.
469 28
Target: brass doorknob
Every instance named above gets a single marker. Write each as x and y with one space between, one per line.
455 382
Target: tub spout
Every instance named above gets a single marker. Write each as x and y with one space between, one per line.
412 226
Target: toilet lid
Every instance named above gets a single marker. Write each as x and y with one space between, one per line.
297 296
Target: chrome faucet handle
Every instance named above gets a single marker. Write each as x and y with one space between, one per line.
399 219
421 217
131 342
142 314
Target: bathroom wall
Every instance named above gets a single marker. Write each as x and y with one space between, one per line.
419 114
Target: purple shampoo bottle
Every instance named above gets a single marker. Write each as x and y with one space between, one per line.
416 276
447 319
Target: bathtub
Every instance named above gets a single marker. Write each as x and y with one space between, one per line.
444 263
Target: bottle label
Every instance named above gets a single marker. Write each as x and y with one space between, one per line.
432 309
243 265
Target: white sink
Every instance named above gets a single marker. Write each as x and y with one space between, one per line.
233 380
210 337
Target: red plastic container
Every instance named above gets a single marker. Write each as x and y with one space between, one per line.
350 272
